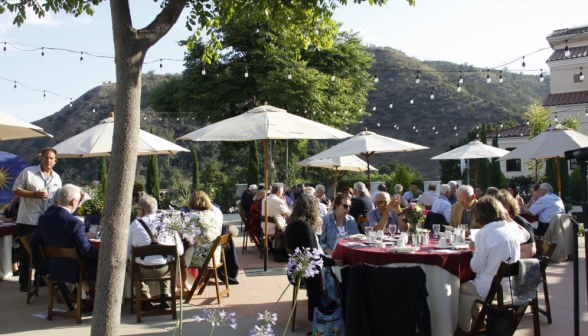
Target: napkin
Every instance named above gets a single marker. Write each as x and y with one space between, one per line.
449 228
460 246
404 249
357 236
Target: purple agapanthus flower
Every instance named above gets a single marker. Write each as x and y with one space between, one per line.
217 318
304 262
268 317
264 330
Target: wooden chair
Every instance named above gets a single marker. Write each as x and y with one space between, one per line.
24 242
83 275
244 224
545 250
495 297
271 237
360 220
205 271
136 279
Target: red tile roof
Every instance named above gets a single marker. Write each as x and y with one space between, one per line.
517 131
568 98
576 52
568 31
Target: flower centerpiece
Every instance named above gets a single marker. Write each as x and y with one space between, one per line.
92 205
414 215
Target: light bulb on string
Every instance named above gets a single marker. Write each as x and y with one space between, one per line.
432 95
70 102
159 118
161 64
42 53
4 48
305 111
500 78
436 132
93 109
144 117
203 71
524 63
527 122
395 126
460 77
455 133
81 57
586 113
44 95
374 107
581 74
376 77
541 79
501 125
433 127
411 100
413 127
555 117
177 119
477 126
361 121
289 75
488 79
566 50
391 105
14 85
455 127
313 112
246 73
458 88
417 130
417 80
378 124
333 77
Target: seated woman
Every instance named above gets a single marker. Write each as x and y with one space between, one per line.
300 233
205 220
511 205
254 227
337 224
497 241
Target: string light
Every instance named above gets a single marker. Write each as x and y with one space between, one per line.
333 77
500 79
455 127
501 125
556 117
432 95
524 63
433 127
246 73
203 71
289 75
460 77
144 117
417 80
44 95
374 107
541 79
411 100
477 126
15 85
42 52
581 74
93 109
413 127
4 48
376 77
488 79
566 50
417 130
586 113
81 57
527 122
391 105
458 88
436 132
161 64
455 133
378 124
70 102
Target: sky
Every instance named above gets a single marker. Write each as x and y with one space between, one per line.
483 33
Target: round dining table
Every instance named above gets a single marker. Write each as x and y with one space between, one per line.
7 232
445 268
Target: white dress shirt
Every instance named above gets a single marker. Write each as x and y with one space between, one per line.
495 242
139 237
33 179
428 198
546 206
277 208
442 206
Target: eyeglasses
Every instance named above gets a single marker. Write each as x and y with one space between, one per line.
345 206
382 202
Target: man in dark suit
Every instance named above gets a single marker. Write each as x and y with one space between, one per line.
361 203
59 228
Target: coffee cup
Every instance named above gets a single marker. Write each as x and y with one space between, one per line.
442 242
400 243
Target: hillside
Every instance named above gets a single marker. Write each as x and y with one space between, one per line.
478 102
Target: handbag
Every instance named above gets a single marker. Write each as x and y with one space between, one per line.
328 316
499 322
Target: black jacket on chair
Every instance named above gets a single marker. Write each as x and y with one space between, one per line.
374 309
435 218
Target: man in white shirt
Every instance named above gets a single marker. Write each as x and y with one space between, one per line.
547 205
38 187
277 207
441 204
151 266
429 197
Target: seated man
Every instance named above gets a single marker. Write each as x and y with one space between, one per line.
398 191
379 189
157 266
362 203
277 207
59 228
412 194
320 193
429 197
441 204
384 214
546 205
461 212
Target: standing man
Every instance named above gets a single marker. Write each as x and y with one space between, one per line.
546 206
37 187
247 198
452 189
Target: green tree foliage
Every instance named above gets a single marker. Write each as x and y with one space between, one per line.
195 171
495 166
538 118
484 175
571 123
103 172
253 164
401 176
551 174
576 184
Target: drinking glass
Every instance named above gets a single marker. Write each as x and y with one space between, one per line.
436 229
378 238
368 232
392 229
463 227
387 231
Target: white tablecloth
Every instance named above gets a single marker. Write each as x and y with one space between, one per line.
443 288
6 256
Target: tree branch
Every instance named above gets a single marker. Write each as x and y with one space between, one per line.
162 23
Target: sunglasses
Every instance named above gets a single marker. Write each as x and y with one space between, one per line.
345 206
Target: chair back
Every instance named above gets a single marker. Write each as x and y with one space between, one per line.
154 250
435 218
220 241
362 222
24 242
66 253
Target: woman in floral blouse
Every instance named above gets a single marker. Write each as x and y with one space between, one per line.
200 205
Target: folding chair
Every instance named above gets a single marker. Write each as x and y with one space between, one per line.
209 268
254 239
545 250
136 279
505 271
83 275
24 242
272 238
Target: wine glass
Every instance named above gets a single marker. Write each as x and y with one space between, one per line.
436 229
387 231
392 230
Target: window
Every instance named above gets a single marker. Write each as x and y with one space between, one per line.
513 165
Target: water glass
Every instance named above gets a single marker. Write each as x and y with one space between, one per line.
392 229
436 229
463 227
379 237
369 233
387 231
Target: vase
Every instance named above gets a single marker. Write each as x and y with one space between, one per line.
90 220
412 230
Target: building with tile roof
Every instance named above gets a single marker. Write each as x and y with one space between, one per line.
509 139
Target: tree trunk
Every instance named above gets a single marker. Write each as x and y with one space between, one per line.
130 47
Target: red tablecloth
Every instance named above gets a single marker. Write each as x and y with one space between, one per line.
8 230
456 263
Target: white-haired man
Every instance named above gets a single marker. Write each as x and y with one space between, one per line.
247 198
277 208
384 213
398 191
320 192
461 212
452 190
142 232
546 206
441 204
362 203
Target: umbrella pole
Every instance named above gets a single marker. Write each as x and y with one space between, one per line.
536 172
265 172
367 159
335 185
475 171
558 176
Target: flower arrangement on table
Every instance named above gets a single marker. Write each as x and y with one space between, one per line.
93 203
414 213
302 264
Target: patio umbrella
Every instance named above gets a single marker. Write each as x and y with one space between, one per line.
351 162
551 143
97 141
367 143
12 128
265 123
473 150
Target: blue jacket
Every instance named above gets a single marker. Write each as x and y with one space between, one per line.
329 237
59 228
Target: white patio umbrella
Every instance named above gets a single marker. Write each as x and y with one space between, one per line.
473 150
551 143
351 162
12 128
265 123
367 143
97 141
